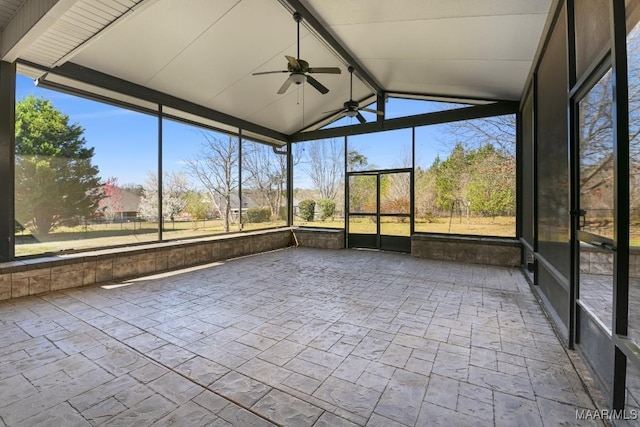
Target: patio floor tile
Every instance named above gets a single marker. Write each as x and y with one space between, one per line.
296 337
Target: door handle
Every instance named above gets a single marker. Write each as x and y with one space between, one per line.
581 214
607 245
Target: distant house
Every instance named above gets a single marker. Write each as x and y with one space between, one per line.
248 202
120 204
130 204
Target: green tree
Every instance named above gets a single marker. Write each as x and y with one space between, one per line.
356 161
425 193
362 194
197 205
482 179
491 188
327 208
452 176
55 178
256 215
307 209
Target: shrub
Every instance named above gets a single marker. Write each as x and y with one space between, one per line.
255 215
327 208
282 213
429 217
307 209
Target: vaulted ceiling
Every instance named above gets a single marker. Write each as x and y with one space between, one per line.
202 53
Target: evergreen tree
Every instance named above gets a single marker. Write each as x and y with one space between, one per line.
491 188
55 177
452 177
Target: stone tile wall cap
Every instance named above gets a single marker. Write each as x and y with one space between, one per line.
498 241
317 229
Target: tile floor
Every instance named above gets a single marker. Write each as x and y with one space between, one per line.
298 337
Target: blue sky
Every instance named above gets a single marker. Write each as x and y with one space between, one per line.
126 142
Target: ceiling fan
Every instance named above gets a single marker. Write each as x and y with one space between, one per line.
351 108
299 70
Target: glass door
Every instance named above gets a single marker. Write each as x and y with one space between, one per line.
395 211
595 227
362 211
379 210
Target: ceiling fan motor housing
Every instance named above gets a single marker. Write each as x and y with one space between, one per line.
351 105
302 68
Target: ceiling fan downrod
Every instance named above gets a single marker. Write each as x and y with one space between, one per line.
297 16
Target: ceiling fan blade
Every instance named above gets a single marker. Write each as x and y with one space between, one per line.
360 118
369 110
293 62
325 70
284 86
339 110
316 84
269 72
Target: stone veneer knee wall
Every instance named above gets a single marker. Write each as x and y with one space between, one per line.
33 276
475 250
597 261
37 275
323 238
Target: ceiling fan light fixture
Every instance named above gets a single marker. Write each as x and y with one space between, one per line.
351 113
298 78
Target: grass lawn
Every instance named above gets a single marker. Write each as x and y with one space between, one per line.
500 226
503 226
105 235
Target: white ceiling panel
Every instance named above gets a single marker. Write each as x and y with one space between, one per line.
143 45
227 52
340 12
467 38
472 79
497 39
205 51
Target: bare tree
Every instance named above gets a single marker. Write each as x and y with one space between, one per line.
499 131
265 172
215 168
396 190
596 138
325 166
596 141
399 186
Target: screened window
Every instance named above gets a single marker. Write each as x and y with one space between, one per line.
318 178
465 177
201 182
81 167
264 190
